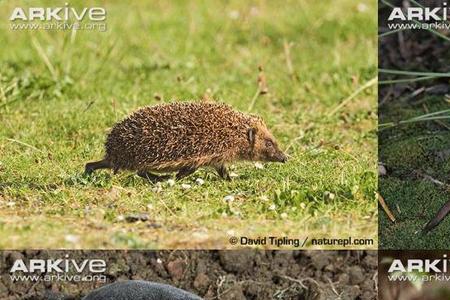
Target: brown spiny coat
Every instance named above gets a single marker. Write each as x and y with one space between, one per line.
184 136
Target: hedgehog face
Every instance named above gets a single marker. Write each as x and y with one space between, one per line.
264 146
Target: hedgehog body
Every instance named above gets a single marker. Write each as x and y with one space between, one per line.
184 136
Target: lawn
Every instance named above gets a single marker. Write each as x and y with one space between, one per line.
417 157
61 91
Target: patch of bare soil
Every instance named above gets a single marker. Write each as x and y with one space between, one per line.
227 275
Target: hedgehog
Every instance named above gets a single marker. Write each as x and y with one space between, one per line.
184 136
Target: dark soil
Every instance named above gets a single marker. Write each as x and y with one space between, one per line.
227 275
416 155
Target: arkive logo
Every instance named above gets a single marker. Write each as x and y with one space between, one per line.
65 13
420 13
420 265
59 265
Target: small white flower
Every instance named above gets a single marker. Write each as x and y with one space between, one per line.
315 151
231 232
254 11
72 238
171 182
158 188
264 198
329 195
272 207
120 218
362 7
284 215
190 64
185 186
234 14
199 181
159 261
228 198
259 165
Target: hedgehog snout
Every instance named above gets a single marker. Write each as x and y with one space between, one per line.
277 157
282 157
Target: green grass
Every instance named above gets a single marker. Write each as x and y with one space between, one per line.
61 92
412 152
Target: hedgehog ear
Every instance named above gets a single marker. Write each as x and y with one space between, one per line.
251 133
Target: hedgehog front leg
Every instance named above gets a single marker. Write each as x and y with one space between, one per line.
223 172
185 171
152 177
92 166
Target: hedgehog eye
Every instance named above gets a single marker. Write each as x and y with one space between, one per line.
269 144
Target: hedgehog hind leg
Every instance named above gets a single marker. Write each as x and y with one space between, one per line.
152 177
223 172
184 172
92 166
